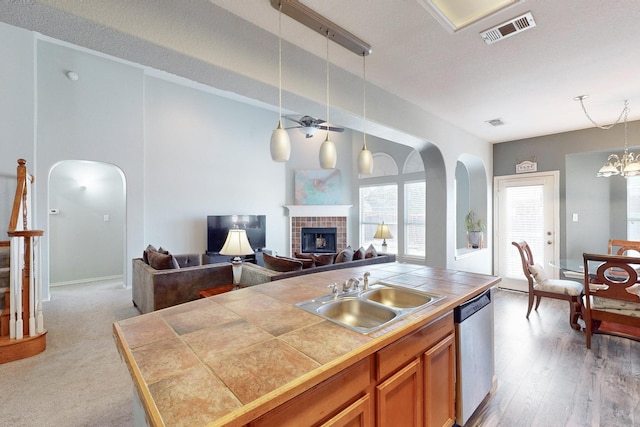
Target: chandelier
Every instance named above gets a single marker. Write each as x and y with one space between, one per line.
626 165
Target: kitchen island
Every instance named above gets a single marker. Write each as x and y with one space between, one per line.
250 357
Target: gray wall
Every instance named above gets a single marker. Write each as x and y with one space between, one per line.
599 202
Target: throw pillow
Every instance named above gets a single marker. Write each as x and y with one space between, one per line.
281 264
359 254
306 262
145 253
371 252
303 256
538 273
161 261
345 255
323 259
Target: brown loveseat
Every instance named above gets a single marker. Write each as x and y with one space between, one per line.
283 267
156 289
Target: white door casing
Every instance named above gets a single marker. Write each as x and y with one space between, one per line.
527 207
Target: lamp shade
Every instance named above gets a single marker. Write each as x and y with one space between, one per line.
236 244
383 232
280 144
328 154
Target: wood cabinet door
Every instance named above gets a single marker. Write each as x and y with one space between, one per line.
399 398
323 401
358 414
439 384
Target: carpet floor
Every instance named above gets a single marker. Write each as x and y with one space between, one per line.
80 379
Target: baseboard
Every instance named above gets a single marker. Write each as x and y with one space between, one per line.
81 281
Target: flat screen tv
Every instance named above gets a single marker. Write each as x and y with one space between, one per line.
218 227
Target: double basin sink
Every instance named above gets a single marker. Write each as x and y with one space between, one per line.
368 310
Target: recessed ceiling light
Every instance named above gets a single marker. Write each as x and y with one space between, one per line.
455 15
495 122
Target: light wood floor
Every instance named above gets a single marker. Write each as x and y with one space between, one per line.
547 377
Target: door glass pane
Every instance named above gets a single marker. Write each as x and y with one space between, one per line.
525 221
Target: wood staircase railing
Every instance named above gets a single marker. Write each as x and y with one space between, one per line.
23 320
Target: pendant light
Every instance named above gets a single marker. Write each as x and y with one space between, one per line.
280 143
328 152
365 158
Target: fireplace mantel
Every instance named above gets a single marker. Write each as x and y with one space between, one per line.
318 210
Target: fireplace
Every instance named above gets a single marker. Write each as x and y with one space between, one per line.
318 239
318 216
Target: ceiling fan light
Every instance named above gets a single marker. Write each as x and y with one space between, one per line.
280 144
328 154
365 161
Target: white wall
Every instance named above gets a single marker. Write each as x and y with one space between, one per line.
98 118
84 245
206 155
17 112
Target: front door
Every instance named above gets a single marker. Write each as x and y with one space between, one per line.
526 208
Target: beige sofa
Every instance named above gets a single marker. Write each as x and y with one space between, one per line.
156 289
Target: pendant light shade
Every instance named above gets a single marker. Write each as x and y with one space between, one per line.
328 154
280 143
365 161
365 158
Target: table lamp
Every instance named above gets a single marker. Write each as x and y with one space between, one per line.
383 233
236 245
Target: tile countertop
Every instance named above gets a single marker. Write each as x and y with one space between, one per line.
227 359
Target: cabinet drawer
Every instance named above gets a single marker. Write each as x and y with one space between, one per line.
322 401
395 355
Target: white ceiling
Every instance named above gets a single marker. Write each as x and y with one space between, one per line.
528 80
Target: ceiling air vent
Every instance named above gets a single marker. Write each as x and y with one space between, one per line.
509 28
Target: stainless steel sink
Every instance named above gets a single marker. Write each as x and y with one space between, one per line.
356 313
365 311
397 297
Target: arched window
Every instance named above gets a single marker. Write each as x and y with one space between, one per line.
398 200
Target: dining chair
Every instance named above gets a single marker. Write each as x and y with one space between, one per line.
623 247
612 296
541 286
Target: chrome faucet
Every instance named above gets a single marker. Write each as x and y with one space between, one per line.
365 286
334 289
348 284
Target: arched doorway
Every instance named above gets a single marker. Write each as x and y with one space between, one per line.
86 222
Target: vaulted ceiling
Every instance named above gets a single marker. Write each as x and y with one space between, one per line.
528 80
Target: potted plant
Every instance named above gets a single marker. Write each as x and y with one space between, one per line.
475 229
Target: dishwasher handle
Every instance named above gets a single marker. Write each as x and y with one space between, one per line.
467 309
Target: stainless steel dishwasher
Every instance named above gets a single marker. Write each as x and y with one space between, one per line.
474 354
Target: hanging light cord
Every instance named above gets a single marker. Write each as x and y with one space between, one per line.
624 113
364 101
328 82
280 62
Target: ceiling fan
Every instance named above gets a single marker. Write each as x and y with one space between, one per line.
309 125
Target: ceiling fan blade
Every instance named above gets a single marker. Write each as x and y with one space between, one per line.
331 128
294 120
